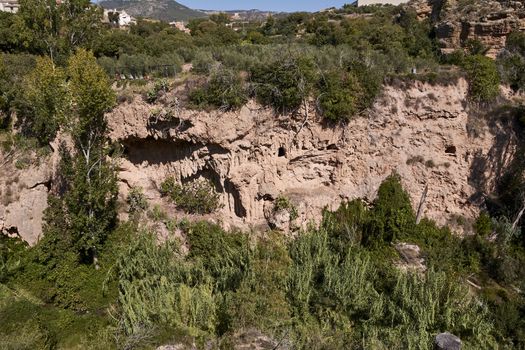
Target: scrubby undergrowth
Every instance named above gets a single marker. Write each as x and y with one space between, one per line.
334 286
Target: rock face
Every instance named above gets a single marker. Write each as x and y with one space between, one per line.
425 133
418 130
447 341
254 340
23 196
457 22
411 257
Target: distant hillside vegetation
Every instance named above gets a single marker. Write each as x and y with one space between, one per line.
165 10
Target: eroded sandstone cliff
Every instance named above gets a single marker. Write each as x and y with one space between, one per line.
426 133
458 21
423 132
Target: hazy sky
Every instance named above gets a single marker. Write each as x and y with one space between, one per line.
273 5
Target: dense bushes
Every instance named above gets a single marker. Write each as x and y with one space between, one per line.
483 77
196 197
92 282
284 84
45 95
339 95
223 90
331 287
157 289
511 62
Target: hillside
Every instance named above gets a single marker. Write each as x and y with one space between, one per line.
165 10
246 15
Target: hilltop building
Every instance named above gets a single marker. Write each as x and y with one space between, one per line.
380 2
122 18
11 6
180 25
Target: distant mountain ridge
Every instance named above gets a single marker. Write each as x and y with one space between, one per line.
245 15
164 10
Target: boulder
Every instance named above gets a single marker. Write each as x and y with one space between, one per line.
410 257
279 220
447 341
255 340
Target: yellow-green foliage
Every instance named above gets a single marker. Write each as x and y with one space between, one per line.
483 77
91 92
156 288
46 97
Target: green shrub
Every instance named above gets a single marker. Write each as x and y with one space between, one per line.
483 77
154 290
224 90
283 203
137 200
196 197
345 225
338 96
284 83
226 256
160 87
392 216
483 225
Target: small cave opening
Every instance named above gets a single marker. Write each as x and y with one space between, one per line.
281 152
450 149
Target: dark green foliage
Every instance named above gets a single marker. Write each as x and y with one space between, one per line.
392 216
330 287
225 255
345 224
260 300
10 249
224 90
55 29
512 61
321 290
483 225
196 197
156 289
46 100
483 77
475 47
339 95
159 88
210 33
284 84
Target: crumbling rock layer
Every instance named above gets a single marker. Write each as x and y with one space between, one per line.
457 22
23 197
425 133
252 156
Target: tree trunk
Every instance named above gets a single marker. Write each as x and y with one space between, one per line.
518 218
95 259
421 204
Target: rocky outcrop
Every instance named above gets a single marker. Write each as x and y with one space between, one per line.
457 22
411 259
24 187
447 341
254 340
417 130
426 133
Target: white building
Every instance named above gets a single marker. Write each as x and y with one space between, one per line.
11 6
380 2
124 19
